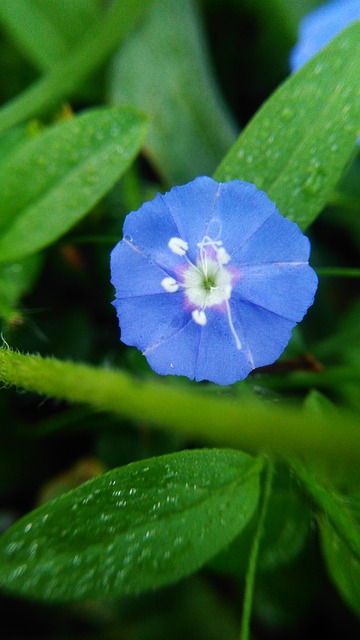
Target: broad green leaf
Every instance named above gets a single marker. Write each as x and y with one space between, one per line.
298 144
190 128
342 564
54 179
45 30
132 529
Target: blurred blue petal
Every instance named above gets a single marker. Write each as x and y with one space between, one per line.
320 26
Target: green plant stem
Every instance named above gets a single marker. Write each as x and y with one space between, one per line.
254 554
333 505
237 422
338 272
332 377
62 81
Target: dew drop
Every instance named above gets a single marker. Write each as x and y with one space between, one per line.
287 114
13 547
128 238
313 183
76 560
18 572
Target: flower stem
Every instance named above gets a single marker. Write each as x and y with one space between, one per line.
242 422
338 272
254 554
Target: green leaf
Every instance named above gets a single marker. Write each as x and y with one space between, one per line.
286 528
190 127
45 31
135 528
54 179
342 564
63 80
334 505
298 144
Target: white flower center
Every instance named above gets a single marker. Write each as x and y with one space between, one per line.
208 283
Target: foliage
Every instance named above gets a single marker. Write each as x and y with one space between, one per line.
134 505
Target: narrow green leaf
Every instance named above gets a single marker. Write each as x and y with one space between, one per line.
54 179
342 564
190 128
335 506
63 80
135 528
45 30
286 528
298 144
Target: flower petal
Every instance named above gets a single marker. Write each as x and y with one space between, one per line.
132 273
241 209
320 26
218 359
277 240
149 229
287 289
176 355
264 334
191 207
147 320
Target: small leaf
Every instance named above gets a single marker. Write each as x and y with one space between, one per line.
190 128
298 144
50 182
342 564
135 528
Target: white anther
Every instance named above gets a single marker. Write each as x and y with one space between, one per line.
199 317
169 284
178 246
222 256
227 291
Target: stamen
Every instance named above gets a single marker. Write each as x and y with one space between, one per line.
199 317
232 328
178 246
169 284
222 256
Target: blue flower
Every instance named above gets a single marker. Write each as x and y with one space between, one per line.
210 280
320 26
